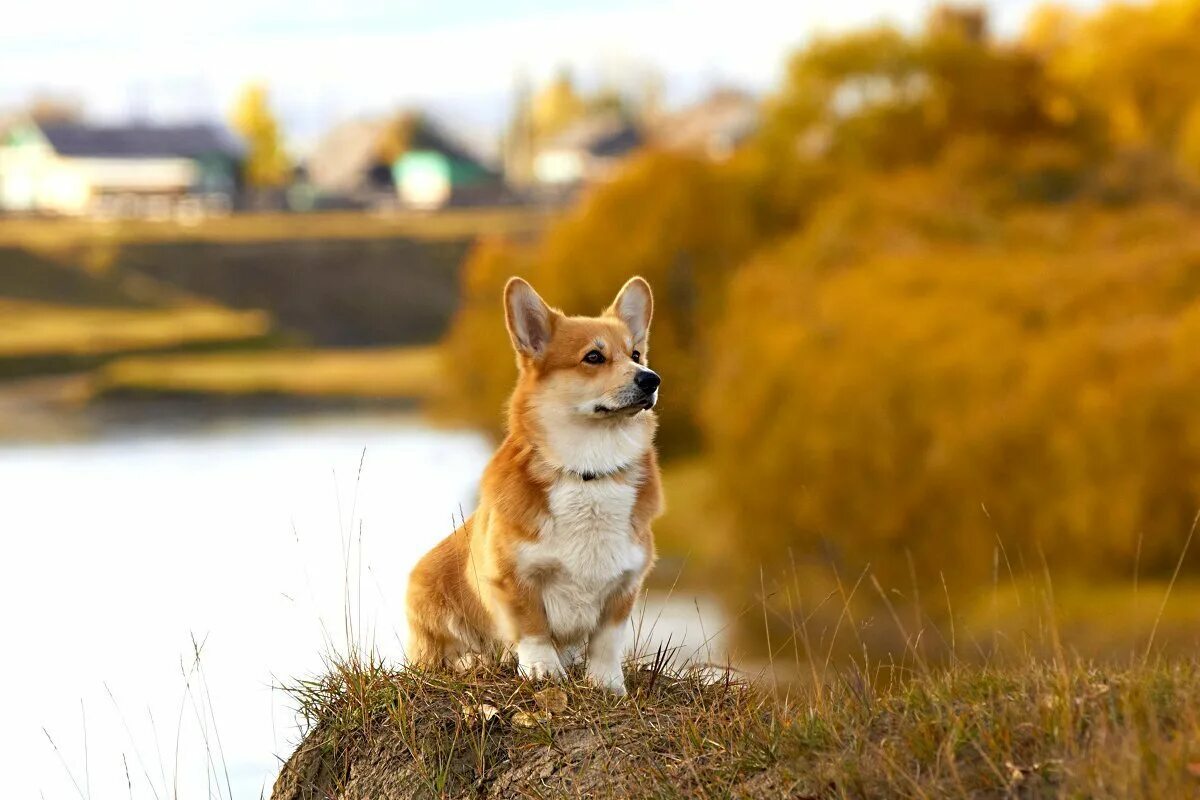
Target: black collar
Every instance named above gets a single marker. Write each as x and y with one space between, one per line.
591 476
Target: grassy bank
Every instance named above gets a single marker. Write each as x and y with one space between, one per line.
351 287
35 330
407 373
1030 730
57 234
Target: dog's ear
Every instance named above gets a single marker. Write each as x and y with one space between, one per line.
634 306
528 318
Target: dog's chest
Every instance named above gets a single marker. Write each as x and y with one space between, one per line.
586 549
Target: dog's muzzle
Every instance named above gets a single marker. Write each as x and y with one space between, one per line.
647 381
641 394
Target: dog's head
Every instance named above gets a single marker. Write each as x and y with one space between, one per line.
584 368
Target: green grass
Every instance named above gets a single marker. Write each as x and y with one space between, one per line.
1036 729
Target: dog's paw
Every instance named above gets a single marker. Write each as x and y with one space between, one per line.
543 670
468 662
608 678
539 660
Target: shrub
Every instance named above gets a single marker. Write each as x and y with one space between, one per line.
924 384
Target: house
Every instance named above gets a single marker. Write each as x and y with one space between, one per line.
714 127
72 168
586 150
349 162
406 159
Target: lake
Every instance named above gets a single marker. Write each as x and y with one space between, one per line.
264 544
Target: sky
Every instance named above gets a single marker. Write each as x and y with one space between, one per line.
327 60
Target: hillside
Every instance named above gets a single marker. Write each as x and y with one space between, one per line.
1029 730
77 294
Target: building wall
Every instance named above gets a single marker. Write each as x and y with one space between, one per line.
35 178
25 160
559 167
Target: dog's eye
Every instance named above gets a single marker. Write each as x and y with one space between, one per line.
594 357
636 356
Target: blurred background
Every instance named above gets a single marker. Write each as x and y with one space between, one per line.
927 312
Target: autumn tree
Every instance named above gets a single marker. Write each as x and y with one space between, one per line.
557 105
267 164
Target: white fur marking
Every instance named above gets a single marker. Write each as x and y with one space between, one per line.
605 649
589 445
588 536
537 659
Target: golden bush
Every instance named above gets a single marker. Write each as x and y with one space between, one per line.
480 365
935 387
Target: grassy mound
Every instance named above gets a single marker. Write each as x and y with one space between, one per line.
1034 730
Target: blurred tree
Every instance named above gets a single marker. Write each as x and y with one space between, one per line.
1050 28
267 165
556 106
52 109
1188 149
1140 63
477 337
913 376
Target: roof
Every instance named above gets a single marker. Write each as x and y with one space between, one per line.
427 134
345 158
599 135
139 141
720 122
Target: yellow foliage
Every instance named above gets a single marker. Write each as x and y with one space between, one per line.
1188 151
557 106
1139 64
266 162
937 384
481 368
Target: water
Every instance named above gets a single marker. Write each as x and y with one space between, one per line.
122 556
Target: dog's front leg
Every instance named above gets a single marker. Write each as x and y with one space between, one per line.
537 658
606 645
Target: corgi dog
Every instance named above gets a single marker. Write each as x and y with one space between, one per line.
549 565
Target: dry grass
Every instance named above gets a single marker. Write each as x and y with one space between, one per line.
1024 717
1094 619
38 329
393 373
56 234
1028 730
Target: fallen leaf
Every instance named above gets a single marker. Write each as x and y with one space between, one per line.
1194 769
552 699
481 710
526 719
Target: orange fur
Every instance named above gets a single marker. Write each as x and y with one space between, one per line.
510 574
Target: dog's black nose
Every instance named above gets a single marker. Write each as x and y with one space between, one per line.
647 380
